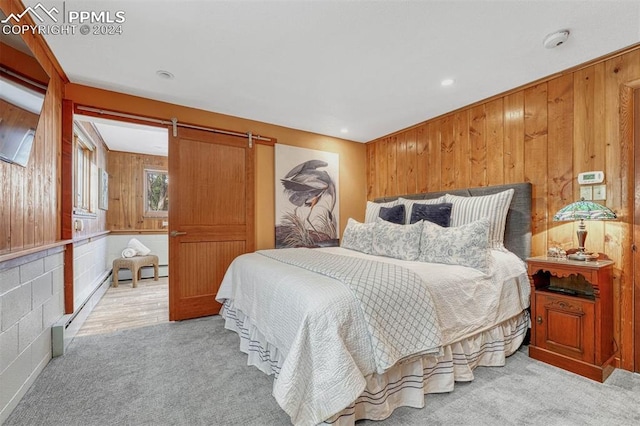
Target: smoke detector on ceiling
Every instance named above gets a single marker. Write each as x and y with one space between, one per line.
166 75
555 39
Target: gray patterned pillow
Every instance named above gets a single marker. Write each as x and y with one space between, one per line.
398 241
358 236
466 245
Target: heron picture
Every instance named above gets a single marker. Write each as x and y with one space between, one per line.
306 197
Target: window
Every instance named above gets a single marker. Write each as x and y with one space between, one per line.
83 165
156 194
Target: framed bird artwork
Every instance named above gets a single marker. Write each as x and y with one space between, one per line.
307 202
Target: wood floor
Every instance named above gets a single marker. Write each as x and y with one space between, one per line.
125 307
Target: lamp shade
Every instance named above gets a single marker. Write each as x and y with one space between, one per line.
584 210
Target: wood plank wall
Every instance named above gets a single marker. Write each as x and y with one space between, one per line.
29 201
126 191
544 134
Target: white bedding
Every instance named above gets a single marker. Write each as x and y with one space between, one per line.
395 302
319 331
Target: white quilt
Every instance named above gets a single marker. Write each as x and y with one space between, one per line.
319 329
395 301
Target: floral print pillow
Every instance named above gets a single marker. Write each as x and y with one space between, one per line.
398 241
466 245
358 236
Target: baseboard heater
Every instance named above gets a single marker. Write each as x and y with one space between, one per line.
66 328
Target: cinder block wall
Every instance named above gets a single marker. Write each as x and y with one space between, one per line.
31 300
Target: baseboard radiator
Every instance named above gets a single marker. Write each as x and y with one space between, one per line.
66 328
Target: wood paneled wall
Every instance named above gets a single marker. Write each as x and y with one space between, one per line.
126 191
29 201
545 134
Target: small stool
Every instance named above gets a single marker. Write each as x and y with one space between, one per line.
134 264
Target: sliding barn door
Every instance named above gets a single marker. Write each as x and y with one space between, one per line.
211 216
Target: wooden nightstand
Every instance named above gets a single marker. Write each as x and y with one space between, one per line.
572 315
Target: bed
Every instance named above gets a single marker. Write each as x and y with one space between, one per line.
344 344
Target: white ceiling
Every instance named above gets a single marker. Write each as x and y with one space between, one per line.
129 137
372 67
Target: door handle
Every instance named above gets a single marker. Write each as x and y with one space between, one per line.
539 319
176 233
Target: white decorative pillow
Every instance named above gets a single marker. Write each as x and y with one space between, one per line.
398 241
495 207
466 245
408 205
358 236
373 210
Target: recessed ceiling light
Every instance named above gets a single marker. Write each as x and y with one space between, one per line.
344 130
446 82
164 74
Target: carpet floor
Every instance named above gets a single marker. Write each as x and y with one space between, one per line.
192 373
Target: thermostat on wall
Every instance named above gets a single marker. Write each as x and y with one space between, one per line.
588 178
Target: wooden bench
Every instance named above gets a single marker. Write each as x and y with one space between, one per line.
135 264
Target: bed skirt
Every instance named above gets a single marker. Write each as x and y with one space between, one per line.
405 384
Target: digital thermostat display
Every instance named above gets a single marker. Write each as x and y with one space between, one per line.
588 178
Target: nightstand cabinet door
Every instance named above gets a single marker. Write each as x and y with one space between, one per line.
565 325
572 315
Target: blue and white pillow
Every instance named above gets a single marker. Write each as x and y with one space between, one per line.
358 236
397 241
466 245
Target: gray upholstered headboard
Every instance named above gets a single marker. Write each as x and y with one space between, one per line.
517 235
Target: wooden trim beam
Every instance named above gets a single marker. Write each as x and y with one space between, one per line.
66 214
636 233
67 170
21 253
35 41
68 279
